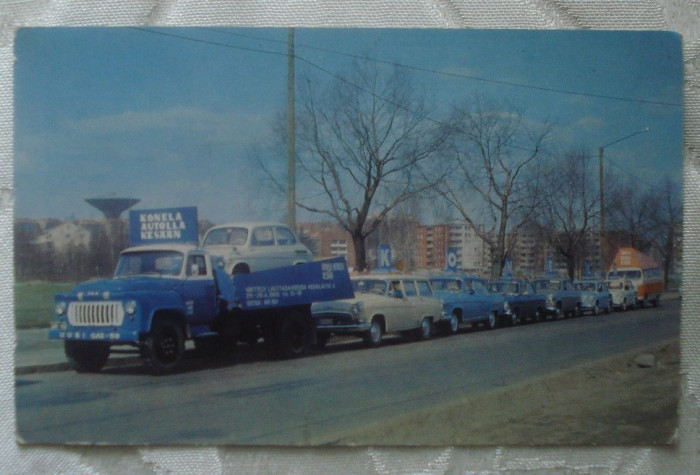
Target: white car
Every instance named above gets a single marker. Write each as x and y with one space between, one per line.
251 247
623 293
382 304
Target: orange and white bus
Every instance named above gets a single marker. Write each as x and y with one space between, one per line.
643 271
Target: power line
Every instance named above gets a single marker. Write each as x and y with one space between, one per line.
462 76
334 75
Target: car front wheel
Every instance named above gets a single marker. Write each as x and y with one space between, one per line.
373 337
492 321
426 329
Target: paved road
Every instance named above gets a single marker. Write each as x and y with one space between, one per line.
316 399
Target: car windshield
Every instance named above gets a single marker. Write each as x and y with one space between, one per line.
450 285
369 286
149 263
586 286
231 235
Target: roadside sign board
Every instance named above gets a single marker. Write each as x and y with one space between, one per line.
165 225
384 258
451 260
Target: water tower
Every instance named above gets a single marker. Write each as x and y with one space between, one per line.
112 207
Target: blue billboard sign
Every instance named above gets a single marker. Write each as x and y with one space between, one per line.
451 260
165 225
384 257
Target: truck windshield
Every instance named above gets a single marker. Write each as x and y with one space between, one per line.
232 236
149 263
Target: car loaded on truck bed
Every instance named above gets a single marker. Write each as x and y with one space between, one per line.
164 294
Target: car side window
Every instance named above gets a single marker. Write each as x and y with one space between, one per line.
424 289
262 237
409 288
284 236
479 286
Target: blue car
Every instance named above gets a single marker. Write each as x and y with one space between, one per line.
595 296
466 299
521 300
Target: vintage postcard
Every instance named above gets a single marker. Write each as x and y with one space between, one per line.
348 237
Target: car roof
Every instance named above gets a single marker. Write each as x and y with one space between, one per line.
248 224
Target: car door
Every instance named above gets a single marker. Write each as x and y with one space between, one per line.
412 315
426 301
482 300
263 251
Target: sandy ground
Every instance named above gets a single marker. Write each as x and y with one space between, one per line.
611 402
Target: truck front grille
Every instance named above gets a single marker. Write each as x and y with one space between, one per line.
95 314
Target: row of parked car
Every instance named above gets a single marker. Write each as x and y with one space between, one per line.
414 305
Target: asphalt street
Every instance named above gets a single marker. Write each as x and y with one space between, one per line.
319 398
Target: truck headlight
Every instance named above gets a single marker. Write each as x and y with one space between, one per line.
61 307
130 307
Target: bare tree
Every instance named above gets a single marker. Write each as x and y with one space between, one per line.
364 145
667 217
628 212
494 185
570 207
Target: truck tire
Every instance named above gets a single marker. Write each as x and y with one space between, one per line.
290 336
164 348
86 356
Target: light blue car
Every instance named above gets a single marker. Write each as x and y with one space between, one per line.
466 299
595 296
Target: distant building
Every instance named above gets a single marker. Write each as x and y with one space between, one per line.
330 240
435 240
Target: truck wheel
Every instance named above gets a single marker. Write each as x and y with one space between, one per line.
164 347
86 356
373 337
291 336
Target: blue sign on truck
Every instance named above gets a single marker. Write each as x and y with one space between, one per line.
158 226
164 294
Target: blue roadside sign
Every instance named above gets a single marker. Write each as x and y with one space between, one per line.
451 260
165 225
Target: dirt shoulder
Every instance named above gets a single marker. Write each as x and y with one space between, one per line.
610 402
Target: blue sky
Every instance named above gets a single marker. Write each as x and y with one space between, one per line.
170 115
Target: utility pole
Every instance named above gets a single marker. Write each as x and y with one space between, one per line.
291 135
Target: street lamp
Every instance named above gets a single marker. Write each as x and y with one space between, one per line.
602 192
